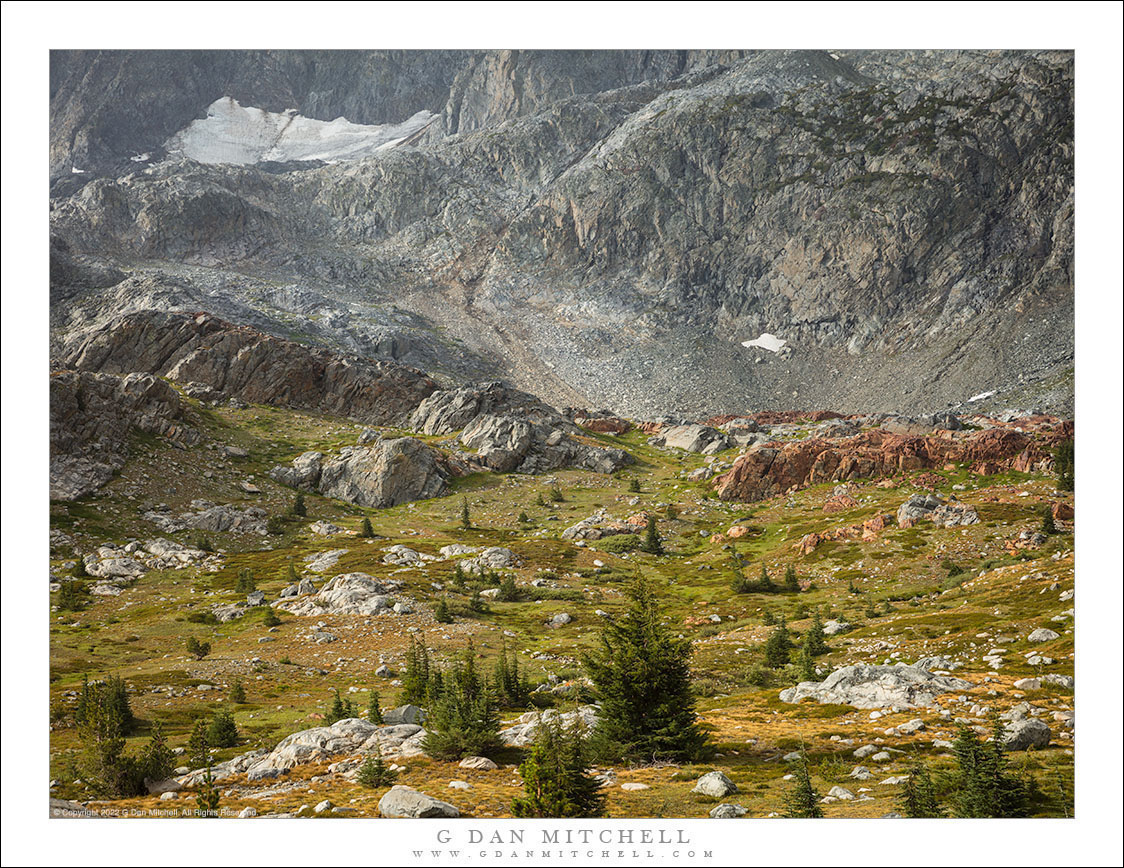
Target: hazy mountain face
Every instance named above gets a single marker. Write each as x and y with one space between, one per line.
602 228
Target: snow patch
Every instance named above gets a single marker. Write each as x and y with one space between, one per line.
981 396
766 342
233 133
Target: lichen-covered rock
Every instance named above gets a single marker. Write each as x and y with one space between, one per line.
865 686
403 802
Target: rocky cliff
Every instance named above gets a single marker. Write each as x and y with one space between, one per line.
604 228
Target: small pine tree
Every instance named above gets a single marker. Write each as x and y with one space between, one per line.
223 732
79 571
523 518
203 543
512 688
73 596
466 516
237 692
271 618
634 486
509 593
538 499
104 719
198 750
416 677
805 664
207 796
815 640
778 646
802 801
1064 464
651 542
556 494
299 509
341 709
555 781
441 613
462 720
292 575
769 619
672 512
918 798
460 579
157 761
374 709
1048 526
476 602
245 583
791 583
197 649
366 531
764 583
642 676
984 786
374 772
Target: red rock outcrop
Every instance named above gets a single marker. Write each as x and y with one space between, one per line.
776 468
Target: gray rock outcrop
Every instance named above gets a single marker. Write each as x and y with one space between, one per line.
865 686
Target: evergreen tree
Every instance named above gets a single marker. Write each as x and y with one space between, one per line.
466 517
672 512
1048 526
102 727
237 692
634 486
374 772
157 762
791 583
815 640
299 509
764 583
271 619
1064 464
778 646
538 499
245 583
805 662
366 531
416 677
555 782
641 673
374 710
341 709
207 796
556 494
802 801
985 787
197 649
512 688
509 593
462 717
476 602
918 798
523 518
79 571
73 596
651 542
222 732
292 576
198 750
441 612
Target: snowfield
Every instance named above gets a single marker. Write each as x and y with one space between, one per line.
766 342
233 133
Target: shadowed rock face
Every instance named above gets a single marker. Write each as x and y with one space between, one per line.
239 362
766 471
92 418
606 229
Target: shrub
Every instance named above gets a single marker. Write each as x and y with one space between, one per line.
271 618
237 692
523 518
509 593
298 508
203 543
73 596
556 494
672 512
634 485
275 525
619 543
